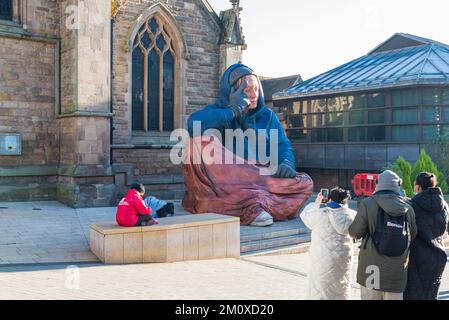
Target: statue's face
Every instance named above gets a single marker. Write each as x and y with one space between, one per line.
252 90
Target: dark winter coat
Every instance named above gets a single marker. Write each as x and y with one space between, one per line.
427 254
392 270
220 117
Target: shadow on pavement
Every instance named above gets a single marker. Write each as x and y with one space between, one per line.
46 266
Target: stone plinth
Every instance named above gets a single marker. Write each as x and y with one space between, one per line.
189 237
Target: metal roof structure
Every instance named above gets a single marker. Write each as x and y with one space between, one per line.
402 60
273 85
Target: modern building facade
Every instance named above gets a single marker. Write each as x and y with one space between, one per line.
271 86
363 115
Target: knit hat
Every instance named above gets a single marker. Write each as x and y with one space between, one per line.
238 73
388 180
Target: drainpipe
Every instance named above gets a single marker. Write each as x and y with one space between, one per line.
111 122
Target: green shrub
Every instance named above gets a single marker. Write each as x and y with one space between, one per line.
425 164
442 145
403 169
408 173
406 170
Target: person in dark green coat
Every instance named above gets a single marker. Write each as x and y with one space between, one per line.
382 277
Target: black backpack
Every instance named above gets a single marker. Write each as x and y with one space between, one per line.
391 237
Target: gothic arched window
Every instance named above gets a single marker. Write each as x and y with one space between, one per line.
6 9
153 75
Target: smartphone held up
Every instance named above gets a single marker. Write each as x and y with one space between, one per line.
325 194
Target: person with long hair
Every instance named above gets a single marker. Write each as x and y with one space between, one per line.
427 255
331 247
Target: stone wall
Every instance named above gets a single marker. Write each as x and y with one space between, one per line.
150 167
69 62
60 104
65 148
41 16
197 35
28 102
84 141
85 173
200 62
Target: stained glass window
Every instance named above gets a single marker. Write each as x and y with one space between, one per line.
137 90
6 9
153 78
153 91
169 85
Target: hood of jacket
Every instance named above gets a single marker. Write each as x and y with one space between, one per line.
225 91
133 192
392 203
430 200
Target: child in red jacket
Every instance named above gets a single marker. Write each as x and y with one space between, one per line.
132 211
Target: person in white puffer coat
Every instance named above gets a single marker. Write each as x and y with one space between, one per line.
331 247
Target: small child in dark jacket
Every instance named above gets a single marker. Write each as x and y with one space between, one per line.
132 210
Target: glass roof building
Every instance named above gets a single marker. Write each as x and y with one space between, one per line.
362 115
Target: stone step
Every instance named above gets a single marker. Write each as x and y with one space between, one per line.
266 244
293 249
245 237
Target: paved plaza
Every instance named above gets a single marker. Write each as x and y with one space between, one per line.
258 278
44 254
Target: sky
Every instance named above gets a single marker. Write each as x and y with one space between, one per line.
309 37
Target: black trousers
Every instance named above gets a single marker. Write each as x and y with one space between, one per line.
145 220
167 210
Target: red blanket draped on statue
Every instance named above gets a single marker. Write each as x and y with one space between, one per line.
238 190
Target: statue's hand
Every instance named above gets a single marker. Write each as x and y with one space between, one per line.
238 100
285 171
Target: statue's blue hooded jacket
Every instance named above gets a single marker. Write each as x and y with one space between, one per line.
219 116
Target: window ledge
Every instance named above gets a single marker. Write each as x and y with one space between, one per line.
148 146
148 141
10 23
7 26
15 30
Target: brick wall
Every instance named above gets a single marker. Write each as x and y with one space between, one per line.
200 73
147 162
42 17
73 152
150 167
69 63
27 106
27 100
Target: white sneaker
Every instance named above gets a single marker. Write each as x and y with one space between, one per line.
262 220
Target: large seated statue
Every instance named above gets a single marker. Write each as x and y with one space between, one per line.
247 187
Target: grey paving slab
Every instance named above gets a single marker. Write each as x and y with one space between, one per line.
261 278
212 279
59 230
